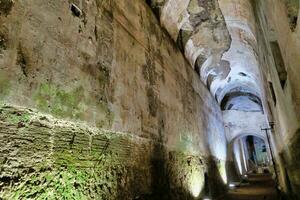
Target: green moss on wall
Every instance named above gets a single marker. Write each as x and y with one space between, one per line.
59 102
4 86
14 117
54 165
65 180
65 160
72 104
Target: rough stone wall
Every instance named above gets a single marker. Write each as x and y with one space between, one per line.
110 65
43 156
289 165
273 29
282 107
47 157
107 67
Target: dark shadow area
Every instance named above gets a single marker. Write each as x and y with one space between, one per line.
231 171
290 158
217 187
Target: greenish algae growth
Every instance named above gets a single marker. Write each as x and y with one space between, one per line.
15 117
4 86
69 181
73 173
72 104
59 102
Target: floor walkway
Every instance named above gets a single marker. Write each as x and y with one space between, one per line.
261 187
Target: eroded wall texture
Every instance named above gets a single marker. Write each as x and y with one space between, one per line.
278 53
98 102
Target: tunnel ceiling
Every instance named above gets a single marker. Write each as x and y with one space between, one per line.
197 26
240 90
219 40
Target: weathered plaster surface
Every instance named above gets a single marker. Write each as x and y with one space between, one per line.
197 26
244 69
111 67
84 68
239 123
284 112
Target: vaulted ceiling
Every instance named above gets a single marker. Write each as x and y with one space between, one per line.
218 38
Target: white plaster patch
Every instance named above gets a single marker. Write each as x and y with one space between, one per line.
174 15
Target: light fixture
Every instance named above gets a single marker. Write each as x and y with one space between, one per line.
231 185
206 198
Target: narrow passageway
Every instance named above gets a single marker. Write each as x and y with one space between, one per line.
260 187
150 99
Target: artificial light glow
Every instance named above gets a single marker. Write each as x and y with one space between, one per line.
196 183
222 171
206 198
237 155
231 185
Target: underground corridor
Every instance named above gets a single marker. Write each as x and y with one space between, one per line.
149 100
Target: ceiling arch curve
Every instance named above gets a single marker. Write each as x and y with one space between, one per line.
243 101
218 38
197 26
242 135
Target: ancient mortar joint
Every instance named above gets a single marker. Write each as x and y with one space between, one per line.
149 99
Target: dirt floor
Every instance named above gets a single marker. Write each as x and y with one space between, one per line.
261 187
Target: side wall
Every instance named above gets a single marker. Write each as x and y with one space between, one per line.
283 105
112 68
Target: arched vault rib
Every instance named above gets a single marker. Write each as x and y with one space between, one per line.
198 27
205 35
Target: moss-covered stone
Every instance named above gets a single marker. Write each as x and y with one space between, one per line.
70 182
4 86
59 102
60 159
64 160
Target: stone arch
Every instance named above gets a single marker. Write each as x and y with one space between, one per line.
241 84
241 135
241 96
241 101
232 156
